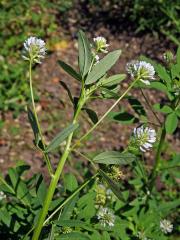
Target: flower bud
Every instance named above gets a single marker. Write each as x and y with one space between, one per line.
168 56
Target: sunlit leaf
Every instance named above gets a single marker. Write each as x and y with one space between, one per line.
61 137
114 157
102 67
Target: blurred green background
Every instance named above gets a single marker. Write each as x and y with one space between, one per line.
45 19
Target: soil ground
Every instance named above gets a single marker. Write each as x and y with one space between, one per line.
16 138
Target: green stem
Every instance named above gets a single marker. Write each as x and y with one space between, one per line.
56 176
63 204
157 158
87 158
92 62
69 198
142 170
46 157
149 105
105 115
62 161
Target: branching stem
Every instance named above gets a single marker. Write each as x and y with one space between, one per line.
46 157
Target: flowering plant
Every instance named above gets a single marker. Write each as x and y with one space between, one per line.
116 206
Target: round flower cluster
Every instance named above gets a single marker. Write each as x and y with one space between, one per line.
101 44
142 70
34 49
166 226
144 137
106 217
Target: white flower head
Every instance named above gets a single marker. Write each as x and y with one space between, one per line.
34 49
166 226
142 70
2 195
106 217
145 137
101 44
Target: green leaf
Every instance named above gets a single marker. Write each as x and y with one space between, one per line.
86 206
137 106
178 112
70 182
175 71
69 70
113 80
178 56
21 169
110 93
85 55
96 235
166 207
64 85
122 117
102 67
88 211
52 233
159 86
23 193
114 157
163 74
92 115
5 187
113 185
68 209
61 137
5 217
164 109
34 125
70 223
73 236
171 122
20 188
86 199
106 236
13 176
41 192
